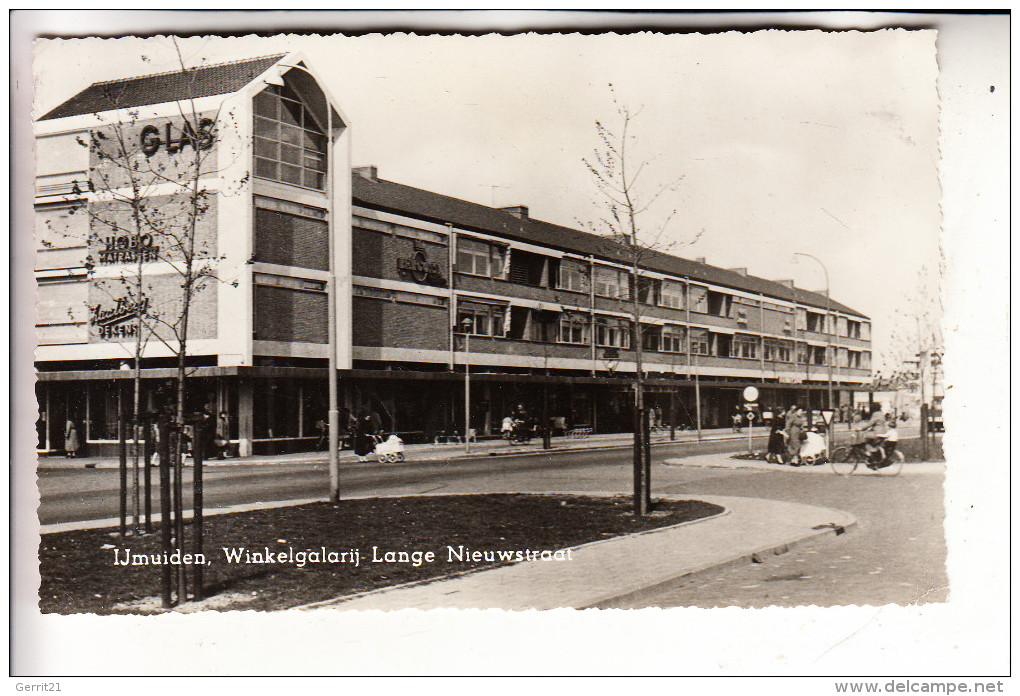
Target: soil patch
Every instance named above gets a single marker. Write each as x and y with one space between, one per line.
80 575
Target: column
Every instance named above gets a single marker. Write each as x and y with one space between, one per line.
245 420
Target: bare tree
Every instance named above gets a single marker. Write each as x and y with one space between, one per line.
916 346
626 204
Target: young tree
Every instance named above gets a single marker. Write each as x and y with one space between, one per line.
916 347
624 204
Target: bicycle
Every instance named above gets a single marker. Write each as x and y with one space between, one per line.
845 460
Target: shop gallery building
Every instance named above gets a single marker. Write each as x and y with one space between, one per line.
424 284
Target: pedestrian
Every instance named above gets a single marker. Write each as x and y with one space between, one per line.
506 429
777 439
72 443
794 433
222 441
363 442
737 417
322 434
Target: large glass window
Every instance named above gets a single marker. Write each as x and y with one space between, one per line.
290 145
476 257
699 298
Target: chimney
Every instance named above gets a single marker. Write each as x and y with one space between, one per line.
786 281
741 271
700 259
370 172
518 211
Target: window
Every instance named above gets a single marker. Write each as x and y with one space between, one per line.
528 269
866 360
573 276
671 294
745 346
719 303
544 325
612 282
801 322
699 299
612 332
841 359
841 326
486 319
672 339
815 322
290 145
853 329
699 342
648 290
476 257
854 359
802 353
817 355
784 351
573 328
650 337
720 344
865 331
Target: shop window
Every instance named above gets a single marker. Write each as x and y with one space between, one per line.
290 145
485 319
476 257
573 328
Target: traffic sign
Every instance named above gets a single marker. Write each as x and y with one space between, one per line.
750 393
750 415
827 416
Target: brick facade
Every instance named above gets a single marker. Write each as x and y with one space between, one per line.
291 240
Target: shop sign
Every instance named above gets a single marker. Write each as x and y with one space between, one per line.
128 248
420 269
176 139
117 321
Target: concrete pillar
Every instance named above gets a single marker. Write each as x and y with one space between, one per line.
245 420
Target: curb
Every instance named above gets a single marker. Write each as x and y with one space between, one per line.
640 593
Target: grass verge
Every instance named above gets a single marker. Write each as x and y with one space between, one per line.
80 575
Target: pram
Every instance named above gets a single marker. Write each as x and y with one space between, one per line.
812 449
390 450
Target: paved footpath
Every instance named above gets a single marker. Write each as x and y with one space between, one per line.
619 568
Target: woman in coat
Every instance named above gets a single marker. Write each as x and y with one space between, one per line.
72 443
794 428
363 431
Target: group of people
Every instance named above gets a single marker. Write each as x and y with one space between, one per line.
790 440
516 426
361 431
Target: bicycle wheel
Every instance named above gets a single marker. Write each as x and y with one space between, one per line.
844 461
894 467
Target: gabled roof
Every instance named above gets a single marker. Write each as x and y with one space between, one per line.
192 83
407 200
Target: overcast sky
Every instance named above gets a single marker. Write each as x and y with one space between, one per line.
824 143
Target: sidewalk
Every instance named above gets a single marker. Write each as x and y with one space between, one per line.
616 571
433 452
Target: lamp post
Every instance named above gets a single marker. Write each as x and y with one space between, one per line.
466 324
829 354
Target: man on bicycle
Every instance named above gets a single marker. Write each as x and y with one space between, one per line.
874 432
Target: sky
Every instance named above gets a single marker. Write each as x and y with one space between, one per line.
824 143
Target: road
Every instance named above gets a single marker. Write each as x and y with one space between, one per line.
70 495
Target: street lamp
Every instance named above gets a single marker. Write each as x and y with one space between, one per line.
829 354
467 324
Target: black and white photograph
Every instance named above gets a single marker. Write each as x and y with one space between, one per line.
599 321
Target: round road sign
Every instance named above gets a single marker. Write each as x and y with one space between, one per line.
750 394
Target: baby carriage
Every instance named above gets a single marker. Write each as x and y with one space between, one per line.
812 449
390 450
